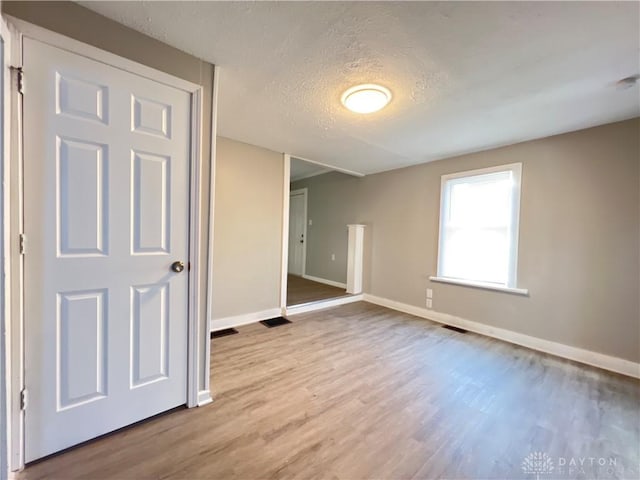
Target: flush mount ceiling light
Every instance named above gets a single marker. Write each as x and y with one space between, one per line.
366 98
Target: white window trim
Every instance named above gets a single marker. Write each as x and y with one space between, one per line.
512 275
483 285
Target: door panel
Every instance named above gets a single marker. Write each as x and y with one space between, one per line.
150 327
82 186
151 117
82 99
82 344
106 168
151 197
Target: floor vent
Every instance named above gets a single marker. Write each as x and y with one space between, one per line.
224 333
275 322
455 329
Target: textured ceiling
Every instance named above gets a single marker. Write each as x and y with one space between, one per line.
465 76
301 169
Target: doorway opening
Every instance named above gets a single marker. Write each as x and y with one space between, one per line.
321 205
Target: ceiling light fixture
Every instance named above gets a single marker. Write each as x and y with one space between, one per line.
366 98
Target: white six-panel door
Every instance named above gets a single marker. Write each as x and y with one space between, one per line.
106 189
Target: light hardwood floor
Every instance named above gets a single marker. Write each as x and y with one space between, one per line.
301 290
360 391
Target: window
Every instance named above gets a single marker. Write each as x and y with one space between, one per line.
479 213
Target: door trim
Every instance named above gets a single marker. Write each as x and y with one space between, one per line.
5 328
197 331
204 395
26 29
305 193
284 260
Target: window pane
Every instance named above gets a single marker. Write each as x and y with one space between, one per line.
482 200
476 254
477 228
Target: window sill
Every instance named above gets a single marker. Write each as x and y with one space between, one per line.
486 286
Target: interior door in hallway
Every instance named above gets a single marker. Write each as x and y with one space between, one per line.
297 231
106 209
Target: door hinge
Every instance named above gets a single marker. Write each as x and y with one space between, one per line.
19 79
23 399
23 244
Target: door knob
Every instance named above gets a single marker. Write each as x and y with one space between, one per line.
177 266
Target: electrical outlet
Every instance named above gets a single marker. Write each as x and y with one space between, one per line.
429 293
310 222
333 257
429 303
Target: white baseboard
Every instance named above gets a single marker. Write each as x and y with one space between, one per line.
322 304
595 359
244 319
325 281
204 398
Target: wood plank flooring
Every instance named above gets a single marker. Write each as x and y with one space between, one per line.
301 290
360 391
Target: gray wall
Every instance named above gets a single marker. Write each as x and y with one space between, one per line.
579 239
332 203
248 230
579 249
72 20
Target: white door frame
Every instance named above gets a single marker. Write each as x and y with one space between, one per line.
305 193
5 388
284 257
198 338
